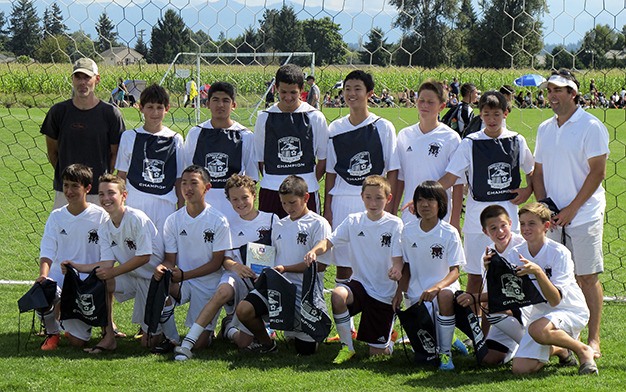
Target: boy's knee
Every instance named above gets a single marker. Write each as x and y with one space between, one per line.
339 296
224 293
245 311
525 366
74 341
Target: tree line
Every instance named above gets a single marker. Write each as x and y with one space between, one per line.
435 33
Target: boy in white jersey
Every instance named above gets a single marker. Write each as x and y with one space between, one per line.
71 233
251 225
195 238
128 239
374 239
150 159
554 326
222 146
293 236
491 160
290 137
432 254
432 143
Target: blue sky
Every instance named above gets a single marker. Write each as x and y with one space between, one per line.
564 24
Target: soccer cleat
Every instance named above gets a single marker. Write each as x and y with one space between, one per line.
261 348
445 362
394 335
460 347
225 321
568 361
337 339
51 343
270 332
345 354
166 346
182 353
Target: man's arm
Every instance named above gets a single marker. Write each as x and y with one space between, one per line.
329 184
52 147
448 180
397 197
457 206
320 169
392 178
44 269
113 157
538 186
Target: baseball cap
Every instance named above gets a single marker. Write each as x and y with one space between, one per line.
86 66
559 81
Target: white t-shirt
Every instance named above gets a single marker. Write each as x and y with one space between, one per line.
461 165
319 129
556 260
243 231
72 237
216 196
423 157
194 240
136 236
293 239
124 157
373 245
564 153
387 135
430 255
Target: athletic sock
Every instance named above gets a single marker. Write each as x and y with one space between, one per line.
168 323
192 336
50 322
445 333
342 323
509 325
343 281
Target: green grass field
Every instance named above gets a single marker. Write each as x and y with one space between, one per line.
25 180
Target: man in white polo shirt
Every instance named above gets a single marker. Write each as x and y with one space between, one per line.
570 163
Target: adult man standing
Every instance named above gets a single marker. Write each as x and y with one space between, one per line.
313 98
83 129
571 152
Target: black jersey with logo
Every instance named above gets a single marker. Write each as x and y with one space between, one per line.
153 165
288 144
220 151
359 154
496 168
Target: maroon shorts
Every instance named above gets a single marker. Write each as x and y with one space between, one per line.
376 317
269 201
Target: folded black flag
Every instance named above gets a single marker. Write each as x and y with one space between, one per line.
281 298
419 327
84 300
467 321
315 320
39 297
155 301
506 290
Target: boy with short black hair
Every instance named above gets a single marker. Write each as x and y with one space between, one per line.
291 137
293 236
222 146
71 233
374 239
554 326
491 160
128 237
150 159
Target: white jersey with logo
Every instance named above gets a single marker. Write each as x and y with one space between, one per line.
433 151
320 144
215 196
243 231
461 165
564 153
72 237
195 239
430 255
373 245
387 134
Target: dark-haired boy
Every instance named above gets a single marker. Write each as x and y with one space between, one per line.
290 137
222 146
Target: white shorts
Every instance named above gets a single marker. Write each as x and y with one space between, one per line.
585 243
342 206
566 321
240 288
454 287
474 245
197 298
75 327
60 200
157 209
132 287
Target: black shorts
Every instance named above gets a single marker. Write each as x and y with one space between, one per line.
376 317
269 201
259 305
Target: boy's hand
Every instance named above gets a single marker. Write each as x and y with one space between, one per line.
522 194
397 300
104 273
565 216
280 268
177 275
159 271
394 274
243 271
465 300
41 279
309 258
487 258
528 267
430 294
64 265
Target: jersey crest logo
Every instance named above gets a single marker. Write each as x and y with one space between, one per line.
274 302
93 236
130 244
153 170
86 304
500 175
302 238
548 271
434 148
264 233
385 240
289 149
209 235
512 286
360 164
436 251
427 341
63 232
217 164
